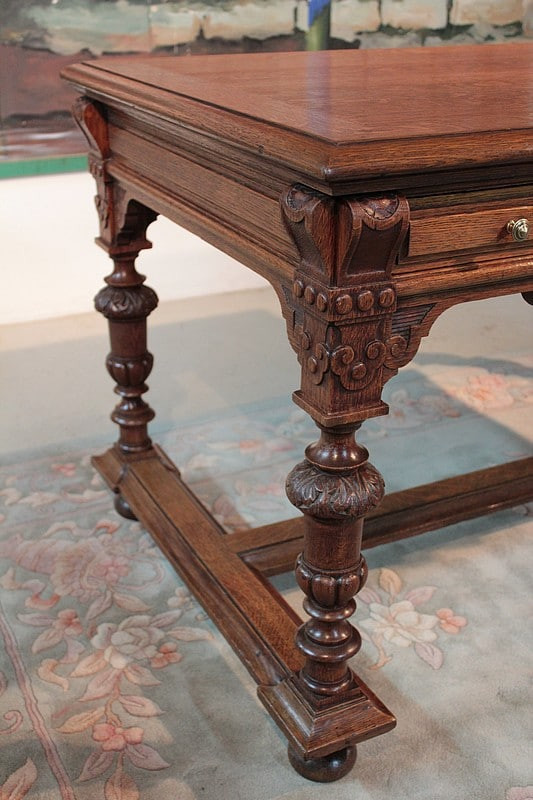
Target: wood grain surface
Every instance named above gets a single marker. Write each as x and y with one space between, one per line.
330 113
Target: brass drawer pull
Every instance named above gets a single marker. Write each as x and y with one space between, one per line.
518 229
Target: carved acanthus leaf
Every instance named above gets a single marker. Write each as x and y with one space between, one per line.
132 302
330 496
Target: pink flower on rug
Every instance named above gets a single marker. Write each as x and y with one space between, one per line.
65 627
113 737
86 569
135 639
251 444
400 623
225 512
485 391
182 599
112 568
519 793
397 621
409 412
275 488
68 470
69 622
166 654
450 622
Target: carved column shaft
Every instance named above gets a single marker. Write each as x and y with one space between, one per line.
334 487
126 303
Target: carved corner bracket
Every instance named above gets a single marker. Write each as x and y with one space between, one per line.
341 305
123 221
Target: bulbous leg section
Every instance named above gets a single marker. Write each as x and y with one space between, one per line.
327 768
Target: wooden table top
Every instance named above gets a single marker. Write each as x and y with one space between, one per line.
332 113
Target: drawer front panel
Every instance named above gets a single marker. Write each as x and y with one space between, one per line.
446 232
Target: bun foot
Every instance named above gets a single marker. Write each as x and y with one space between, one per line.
123 508
326 769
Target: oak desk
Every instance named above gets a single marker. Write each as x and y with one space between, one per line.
373 189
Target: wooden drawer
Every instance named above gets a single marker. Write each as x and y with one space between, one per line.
467 226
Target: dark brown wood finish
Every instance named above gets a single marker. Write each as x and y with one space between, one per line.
374 190
125 301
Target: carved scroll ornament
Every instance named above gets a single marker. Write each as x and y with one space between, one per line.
343 299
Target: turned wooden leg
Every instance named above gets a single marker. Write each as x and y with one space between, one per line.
339 313
126 303
334 487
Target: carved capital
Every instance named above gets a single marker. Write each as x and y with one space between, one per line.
346 241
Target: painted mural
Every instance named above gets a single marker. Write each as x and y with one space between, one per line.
39 37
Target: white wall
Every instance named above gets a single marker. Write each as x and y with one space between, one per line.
52 268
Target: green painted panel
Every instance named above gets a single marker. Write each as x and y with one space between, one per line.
42 166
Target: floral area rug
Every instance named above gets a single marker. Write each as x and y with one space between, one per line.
114 685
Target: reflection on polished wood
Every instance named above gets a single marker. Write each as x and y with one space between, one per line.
374 190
